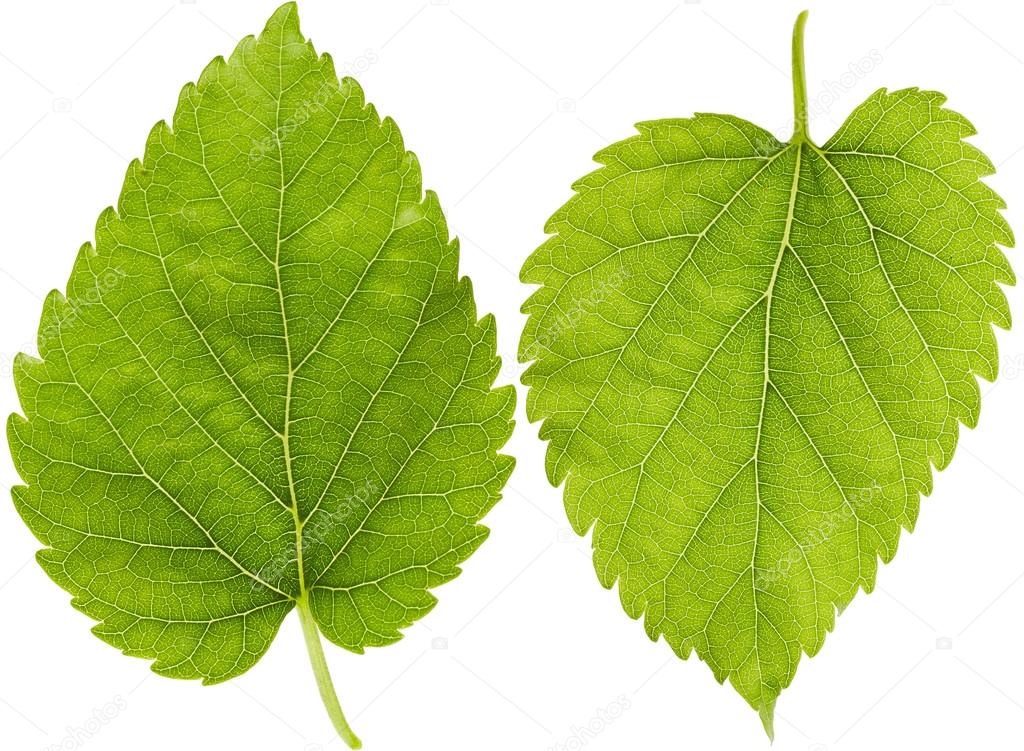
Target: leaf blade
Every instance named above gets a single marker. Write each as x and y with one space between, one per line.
743 394
267 362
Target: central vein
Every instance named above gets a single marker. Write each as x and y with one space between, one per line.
310 630
800 137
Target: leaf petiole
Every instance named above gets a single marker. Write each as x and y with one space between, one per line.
323 674
799 81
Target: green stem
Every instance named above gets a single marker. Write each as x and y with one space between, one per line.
323 675
799 81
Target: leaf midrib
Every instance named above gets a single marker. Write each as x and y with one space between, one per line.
783 245
285 432
682 402
620 351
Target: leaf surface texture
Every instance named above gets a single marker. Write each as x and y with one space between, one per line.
266 382
748 355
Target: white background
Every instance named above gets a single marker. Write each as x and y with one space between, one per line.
505 103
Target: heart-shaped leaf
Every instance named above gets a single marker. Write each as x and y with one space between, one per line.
749 355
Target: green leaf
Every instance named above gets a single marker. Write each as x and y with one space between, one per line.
748 357
266 387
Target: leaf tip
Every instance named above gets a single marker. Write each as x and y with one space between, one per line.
767 711
287 14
